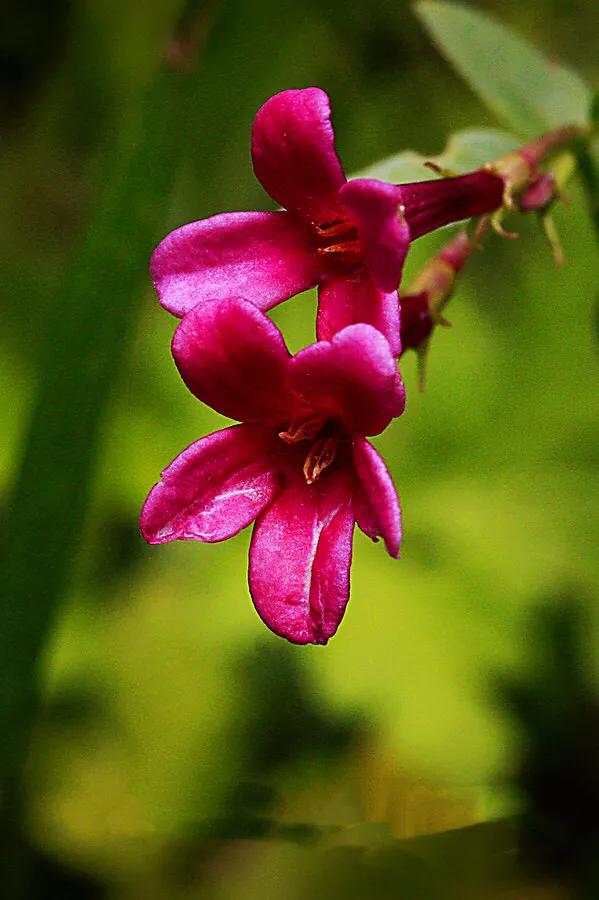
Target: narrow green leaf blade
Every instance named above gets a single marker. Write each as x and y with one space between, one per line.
525 91
88 330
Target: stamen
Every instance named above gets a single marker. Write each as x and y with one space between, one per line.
305 430
354 247
321 455
340 241
497 226
335 229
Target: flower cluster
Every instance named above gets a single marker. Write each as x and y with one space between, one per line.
300 464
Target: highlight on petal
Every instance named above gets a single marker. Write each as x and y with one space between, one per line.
352 378
375 499
212 490
300 558
293 150
265 257
374 207
432 204
346 299
233 358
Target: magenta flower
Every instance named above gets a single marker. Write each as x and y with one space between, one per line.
300 464
348 237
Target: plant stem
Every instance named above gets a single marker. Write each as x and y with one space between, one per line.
538 150
589 174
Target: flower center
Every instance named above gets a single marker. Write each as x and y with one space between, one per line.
340 241
320 456
324 437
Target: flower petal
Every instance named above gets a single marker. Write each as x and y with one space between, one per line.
232 357
265 257
348 299
375 499
293 149
431 204
213 489
352 378
300 558
374 208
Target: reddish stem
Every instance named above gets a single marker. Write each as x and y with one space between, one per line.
536 151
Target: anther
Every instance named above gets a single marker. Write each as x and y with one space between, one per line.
320 457
335 229
354 247
305 430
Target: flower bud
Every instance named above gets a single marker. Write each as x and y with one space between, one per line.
540 192
421 309
519 168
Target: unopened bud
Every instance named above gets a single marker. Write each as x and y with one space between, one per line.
416 320
438 276
421 308
519 168
540 193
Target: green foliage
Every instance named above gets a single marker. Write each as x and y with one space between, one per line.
89 325
526 91
470 149
465 151
172 717
556 706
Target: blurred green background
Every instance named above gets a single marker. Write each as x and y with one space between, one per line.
181 750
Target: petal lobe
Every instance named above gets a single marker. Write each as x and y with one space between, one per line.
265 257
293 150
300 559
353 379
375 499
234 359
212 490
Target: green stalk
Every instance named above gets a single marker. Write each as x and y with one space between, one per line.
87 334
589 175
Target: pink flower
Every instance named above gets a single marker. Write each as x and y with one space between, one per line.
348 237
300 464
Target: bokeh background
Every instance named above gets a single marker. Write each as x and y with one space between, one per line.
180 750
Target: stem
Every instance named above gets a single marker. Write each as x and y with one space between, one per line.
589 173
517 168
542 147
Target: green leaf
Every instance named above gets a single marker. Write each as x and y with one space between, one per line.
88 330
525 91
474 147
465 151
399 168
